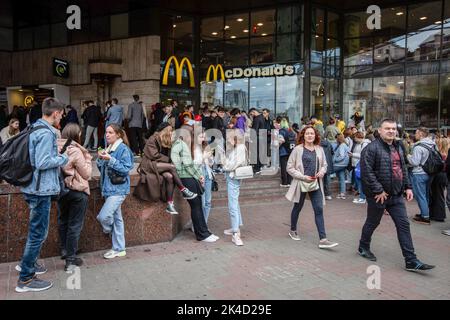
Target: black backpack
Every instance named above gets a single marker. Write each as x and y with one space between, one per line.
15 164
291 141
434 163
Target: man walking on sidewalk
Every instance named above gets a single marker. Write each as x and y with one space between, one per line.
38 194
135 120
385 179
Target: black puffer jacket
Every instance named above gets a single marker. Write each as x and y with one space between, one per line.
376 168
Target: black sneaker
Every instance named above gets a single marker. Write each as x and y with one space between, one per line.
418 266
72 264
366 254
421 220
33 285
38 268
188 194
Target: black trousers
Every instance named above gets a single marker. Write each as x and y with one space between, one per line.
395 205
198 219
136 140
71 212
437 197
285 177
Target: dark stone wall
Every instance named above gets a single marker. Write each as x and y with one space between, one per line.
145 223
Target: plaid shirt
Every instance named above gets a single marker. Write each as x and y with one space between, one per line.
182 159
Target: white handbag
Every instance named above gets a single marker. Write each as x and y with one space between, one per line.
243 173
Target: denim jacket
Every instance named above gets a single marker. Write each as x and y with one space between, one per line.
114 115
122 162
45 158
341 157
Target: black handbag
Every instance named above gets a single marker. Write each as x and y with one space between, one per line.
214 186
115 177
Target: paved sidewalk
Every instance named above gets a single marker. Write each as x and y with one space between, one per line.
269 266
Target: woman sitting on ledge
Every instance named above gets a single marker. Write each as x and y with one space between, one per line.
158 176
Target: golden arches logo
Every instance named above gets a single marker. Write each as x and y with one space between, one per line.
28 101
178 71
215 70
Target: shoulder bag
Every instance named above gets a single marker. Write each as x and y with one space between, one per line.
306 186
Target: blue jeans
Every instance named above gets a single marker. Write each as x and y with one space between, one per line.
317 204
360 188
110 217
340 173
421 186
207 195
233 187
37 232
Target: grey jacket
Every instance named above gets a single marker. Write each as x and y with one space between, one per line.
135 115
420 155
114 115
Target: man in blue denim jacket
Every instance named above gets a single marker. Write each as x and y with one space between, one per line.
46 162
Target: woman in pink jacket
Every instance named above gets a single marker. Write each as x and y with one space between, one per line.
72 206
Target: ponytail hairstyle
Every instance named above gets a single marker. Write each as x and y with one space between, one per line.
120 132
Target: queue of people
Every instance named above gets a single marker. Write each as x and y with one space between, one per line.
383 167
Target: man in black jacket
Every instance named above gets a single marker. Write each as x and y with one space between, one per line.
258 123
91 117
385 178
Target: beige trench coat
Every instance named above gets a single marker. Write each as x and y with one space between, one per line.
295 169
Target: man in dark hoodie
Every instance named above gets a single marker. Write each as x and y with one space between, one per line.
91 117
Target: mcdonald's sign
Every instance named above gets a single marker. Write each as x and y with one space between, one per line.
215 70
178 71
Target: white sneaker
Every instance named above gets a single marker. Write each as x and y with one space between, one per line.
229 232
356 200
326 244
114 254
329 198
362 201
211 238
217 238
236 238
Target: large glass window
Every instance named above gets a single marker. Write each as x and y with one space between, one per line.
289 97
212 28
289 47
387 99
262 50
358 51
236 94
262 93
262 22
212 92
357 97
236 52
421 101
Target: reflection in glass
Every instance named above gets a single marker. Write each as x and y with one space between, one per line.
236 94
262 93
212 52
261 50
423 46
357 95
387 99
445 102
317 48
358 51
388 50
289 101
289 47
333 25
212 92
421 101
318 21
289 19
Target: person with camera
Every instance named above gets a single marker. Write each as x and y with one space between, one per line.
114 164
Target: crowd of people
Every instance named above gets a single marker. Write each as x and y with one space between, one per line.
380 167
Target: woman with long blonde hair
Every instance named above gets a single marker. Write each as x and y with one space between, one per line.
10 131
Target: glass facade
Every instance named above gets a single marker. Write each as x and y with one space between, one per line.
267 38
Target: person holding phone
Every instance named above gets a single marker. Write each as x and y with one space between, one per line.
114 165
307 165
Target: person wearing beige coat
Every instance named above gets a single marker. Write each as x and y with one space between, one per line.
307 164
